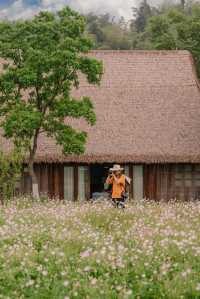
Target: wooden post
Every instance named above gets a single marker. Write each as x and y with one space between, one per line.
132 180
87 183
61 181
50 181
46 179
76 178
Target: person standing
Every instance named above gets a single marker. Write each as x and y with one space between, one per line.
118 181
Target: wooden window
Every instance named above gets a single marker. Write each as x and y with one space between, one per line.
187 181
69 183
83 182
138 182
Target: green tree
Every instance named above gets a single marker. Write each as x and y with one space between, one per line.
183 3
94 28
10 172
116 38
108 33
177 29
141 15
42 60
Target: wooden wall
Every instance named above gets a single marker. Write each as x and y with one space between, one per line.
50 179
169 181
161 181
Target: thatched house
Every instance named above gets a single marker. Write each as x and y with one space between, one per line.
148 119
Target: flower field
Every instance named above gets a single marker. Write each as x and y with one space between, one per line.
54 250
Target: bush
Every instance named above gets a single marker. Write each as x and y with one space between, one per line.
10 173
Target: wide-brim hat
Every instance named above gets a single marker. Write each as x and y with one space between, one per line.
116 167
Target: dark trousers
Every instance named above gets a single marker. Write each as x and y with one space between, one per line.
119 202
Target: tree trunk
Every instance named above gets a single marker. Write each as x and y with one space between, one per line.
183 3
34 181
35 188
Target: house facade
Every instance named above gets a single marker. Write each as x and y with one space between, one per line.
148 120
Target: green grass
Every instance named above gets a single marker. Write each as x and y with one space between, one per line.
53 250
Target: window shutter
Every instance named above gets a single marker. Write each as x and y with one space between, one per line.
83 181
69 183
138 182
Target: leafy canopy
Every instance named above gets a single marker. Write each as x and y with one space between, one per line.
177 29
42 61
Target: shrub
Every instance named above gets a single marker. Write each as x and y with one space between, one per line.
10 173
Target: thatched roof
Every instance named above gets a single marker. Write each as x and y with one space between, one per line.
147 107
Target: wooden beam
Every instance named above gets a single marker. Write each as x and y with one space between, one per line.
61 181
88 183
132 180
76 182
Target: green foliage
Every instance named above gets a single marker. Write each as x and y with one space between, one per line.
10 172
43 58
176 29
107 33
142 15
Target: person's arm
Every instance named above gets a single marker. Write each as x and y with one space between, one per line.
109 179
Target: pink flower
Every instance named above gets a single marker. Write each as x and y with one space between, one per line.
85 253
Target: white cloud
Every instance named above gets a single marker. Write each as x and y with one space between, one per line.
115 7
19 9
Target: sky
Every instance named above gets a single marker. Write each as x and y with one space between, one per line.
15 9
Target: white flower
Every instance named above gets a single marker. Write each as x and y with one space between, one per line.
44 273
66 283
93 281
87 269
128 292
30 283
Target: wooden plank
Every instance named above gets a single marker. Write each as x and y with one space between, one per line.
146 185
158 187
87 183
61 181
132 182
170 182
151 181
193 182
165 183
138 175
56 181
46 178
42 178
50 181
76 182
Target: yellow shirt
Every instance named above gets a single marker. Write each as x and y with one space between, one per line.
118 186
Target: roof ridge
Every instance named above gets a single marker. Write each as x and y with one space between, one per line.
144 52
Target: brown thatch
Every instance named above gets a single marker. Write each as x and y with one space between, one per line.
148 110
